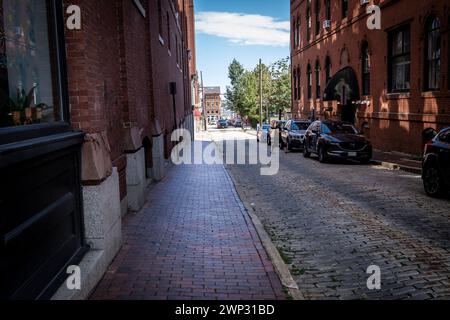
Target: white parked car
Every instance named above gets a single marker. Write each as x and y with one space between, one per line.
263 133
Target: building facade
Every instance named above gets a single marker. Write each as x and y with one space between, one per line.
392 82
86 118
212 103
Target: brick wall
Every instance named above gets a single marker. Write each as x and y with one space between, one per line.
119 73
396 121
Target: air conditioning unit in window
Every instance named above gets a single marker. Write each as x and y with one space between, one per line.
364 2
327 24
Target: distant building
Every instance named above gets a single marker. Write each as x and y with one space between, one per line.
212 103
392 83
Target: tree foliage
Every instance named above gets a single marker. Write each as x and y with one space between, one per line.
243 96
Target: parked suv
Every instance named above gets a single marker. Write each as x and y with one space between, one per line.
436 164
222 124
293 135
335 139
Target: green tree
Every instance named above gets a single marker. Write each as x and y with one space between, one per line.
243 95
235 93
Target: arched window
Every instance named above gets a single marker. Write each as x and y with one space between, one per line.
308 22
365 69
318 82
317 15
432 54
344 4
309 78
327 69
299 88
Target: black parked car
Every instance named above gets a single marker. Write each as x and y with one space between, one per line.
293 135
436 164
335 139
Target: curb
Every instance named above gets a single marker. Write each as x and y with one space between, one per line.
281 268
395 166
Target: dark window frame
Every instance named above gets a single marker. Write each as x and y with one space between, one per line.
345 8
318 82
317 16
295 84
327 69
299 81
434 60
365 69
309 80
405 29
57 34
308 23
328 10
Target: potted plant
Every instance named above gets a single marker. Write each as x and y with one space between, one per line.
22 111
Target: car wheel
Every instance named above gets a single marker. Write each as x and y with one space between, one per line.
322 155
433 181
306 153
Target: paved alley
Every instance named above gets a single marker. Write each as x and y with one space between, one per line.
193 240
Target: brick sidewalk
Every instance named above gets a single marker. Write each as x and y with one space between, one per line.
193 240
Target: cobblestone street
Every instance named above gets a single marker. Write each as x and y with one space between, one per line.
332 221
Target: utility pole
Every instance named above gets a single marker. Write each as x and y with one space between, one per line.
260 94
203 102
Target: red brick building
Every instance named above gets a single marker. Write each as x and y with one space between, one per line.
212 103
396 79
98 108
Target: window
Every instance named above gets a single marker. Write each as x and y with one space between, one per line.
295 84
317 11
318 84
432 54
328 9
327 69
399 60
344 9
365 66
169 35
309 77
308 23
160 25
299 88
296 28
30 77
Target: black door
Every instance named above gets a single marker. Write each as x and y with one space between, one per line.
349 114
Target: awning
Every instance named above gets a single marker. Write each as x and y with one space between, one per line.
343 87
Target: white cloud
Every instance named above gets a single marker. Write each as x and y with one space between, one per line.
244 29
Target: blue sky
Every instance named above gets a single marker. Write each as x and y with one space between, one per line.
243 29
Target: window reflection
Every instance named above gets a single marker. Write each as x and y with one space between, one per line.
28 80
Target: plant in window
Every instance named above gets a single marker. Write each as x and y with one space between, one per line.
22 110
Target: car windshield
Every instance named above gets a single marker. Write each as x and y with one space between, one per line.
337 127
300 126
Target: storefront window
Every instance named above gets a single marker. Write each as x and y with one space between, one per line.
28 64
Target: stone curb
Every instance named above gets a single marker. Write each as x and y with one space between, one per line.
395 166
280 266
